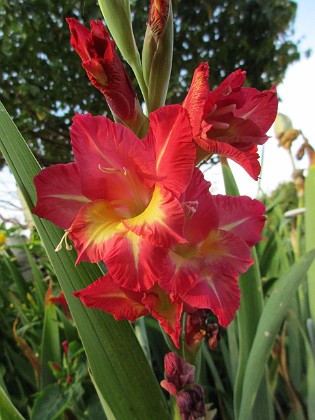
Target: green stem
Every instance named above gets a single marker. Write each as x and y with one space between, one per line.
137 69
174 409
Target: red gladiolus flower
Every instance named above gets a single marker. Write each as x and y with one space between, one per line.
106 70
220 231
119 201
230 120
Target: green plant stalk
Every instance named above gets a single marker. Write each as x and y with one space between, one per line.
269 324
130 389
248 317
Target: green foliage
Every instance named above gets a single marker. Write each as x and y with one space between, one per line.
31 338
45 86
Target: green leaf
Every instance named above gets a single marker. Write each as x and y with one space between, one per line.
268 326
51 346
7 409
117 362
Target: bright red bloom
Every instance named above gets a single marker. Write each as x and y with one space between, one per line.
120 200
220 231
230 120
106 70
108 296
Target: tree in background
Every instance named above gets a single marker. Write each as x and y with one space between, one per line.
42 83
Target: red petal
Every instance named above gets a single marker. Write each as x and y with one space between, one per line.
79 38
196 99
59 194
114 163
214 291
106 295
260 107
200 210
170 136
134 262
162 221
247 159
242 216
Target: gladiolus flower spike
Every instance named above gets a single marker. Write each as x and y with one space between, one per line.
141 206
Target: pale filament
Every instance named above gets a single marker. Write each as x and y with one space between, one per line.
65 240
191 208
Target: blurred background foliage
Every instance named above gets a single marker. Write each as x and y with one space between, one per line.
42 82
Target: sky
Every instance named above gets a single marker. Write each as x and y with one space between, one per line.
297 93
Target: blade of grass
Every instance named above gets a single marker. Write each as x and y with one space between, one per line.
117 362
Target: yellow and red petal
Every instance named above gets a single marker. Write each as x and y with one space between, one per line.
162 221
226 252
134 262
171 138
114 164
59 196
167 309
242 216
94 230
106 295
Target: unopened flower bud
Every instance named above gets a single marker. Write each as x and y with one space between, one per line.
157 52
106 71
191 403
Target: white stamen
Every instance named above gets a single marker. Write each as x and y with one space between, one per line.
64 239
